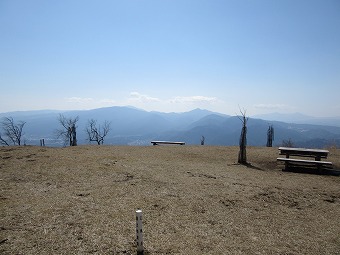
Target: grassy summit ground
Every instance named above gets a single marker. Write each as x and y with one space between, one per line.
195 200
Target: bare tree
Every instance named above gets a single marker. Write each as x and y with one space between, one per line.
242 156
270 136
12 131
202 140
96 133
3 141
68 130
288 143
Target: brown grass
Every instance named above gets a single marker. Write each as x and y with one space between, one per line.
195 200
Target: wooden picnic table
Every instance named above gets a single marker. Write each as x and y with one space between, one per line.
302 152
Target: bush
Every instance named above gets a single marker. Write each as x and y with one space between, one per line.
287 143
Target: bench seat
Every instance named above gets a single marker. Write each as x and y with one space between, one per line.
167 142
303 162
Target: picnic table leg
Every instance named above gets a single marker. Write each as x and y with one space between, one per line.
286 166
319 167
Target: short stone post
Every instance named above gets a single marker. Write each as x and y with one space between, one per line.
139 232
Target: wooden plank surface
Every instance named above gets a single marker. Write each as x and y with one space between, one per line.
302 150
167 142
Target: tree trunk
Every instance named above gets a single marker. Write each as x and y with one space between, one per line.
270 136
242 157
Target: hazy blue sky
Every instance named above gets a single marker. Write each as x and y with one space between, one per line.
171 55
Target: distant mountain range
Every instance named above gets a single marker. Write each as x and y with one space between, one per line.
300 119
131 126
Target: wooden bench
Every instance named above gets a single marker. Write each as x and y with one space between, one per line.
167 142
302 163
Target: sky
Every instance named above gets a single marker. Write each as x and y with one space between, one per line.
171 55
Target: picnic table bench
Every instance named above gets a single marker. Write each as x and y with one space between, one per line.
302 152
167 142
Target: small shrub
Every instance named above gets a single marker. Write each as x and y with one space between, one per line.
287 143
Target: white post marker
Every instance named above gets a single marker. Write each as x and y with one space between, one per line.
139 232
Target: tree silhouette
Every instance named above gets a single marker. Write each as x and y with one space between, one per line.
96 133
12 131
202 140
288 143
270 136
242 156
68 131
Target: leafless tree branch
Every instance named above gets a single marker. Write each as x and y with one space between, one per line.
12 130
3 141
68 130
97 133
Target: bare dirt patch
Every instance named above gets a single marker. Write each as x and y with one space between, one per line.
195 200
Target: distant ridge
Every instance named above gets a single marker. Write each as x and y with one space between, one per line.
299 118
133 126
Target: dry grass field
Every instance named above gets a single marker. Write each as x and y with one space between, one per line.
195 200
